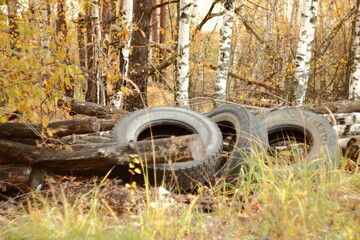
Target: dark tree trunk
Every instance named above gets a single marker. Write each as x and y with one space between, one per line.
154 38
139 56
91 80
162 35
62 31
14 28
81 41
106 17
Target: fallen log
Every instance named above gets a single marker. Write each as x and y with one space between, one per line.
347 130
343 118
72 139
182 148
107 125
53 130
89 108
343 106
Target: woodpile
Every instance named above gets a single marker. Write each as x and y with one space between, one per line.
27 151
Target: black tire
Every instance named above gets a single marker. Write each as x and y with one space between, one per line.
167 121
286 126
245 135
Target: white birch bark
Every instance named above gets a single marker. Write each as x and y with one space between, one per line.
100 88
354 79
125 51
183 52
224 50
304 47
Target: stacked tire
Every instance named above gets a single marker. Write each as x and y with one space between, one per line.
230 135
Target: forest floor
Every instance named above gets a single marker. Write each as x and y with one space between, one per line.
317 205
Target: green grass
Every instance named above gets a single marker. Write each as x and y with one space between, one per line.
266 203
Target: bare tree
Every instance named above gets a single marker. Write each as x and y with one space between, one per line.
304 47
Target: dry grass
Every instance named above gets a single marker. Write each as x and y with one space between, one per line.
264 204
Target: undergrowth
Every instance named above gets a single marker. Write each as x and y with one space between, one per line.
264 203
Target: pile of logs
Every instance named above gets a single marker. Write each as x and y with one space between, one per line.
27 151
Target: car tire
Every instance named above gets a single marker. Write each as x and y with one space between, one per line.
307 128
162 122
245 135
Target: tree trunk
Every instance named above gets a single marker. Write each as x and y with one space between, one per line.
304 47
138 60
183 51
127 23
97 41
13 25
44 15
106 18
162 35
224 51
354 58
81 41
91 82
62 31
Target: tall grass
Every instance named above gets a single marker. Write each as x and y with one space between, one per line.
264 203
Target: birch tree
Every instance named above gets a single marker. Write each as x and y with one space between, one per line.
224 50
97 93
124 50
304 47
183 52
354 59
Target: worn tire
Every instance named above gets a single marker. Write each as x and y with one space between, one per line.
167 121
307 128
247 135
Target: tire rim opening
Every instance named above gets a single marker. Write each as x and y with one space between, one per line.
163 130
228 132
288 143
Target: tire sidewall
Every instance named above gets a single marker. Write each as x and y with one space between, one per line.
251 135
126 130
323 136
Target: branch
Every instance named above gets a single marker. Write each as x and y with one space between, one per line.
207 17
252 82
164 3
326 42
